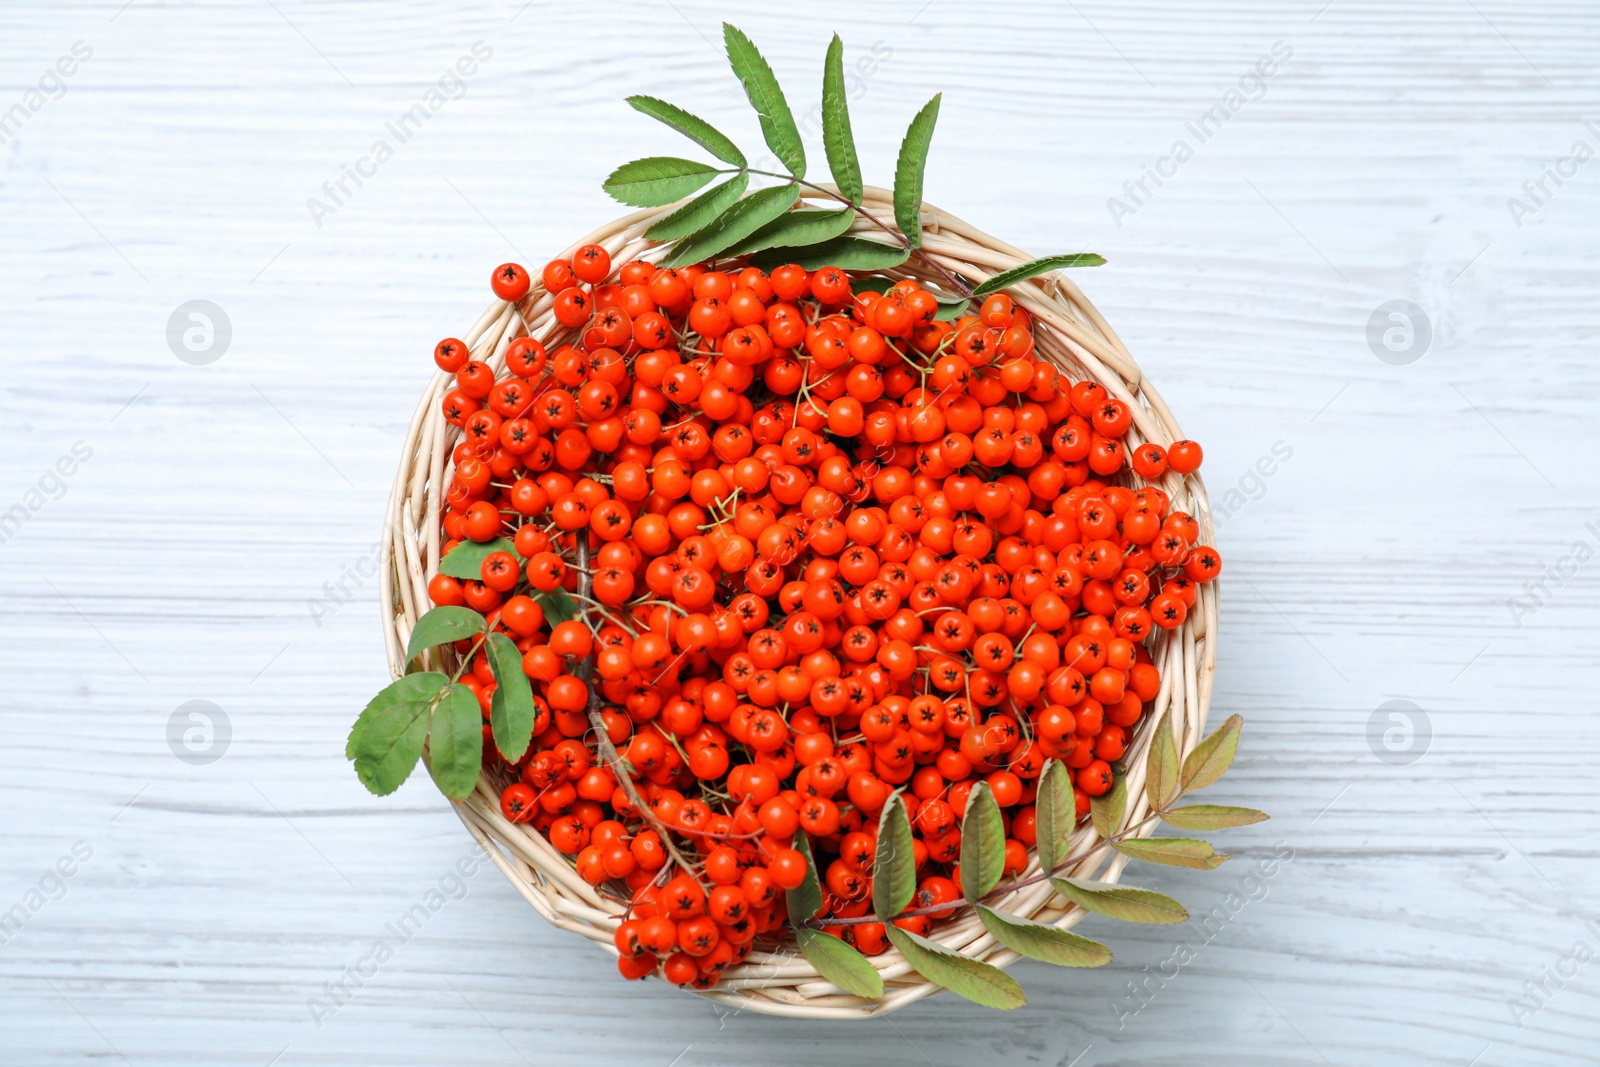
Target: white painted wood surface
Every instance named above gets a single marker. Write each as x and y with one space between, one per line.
184 560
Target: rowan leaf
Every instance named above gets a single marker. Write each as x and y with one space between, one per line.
1212 817
802 226
387 749
981 983
1007 278
696 129
1173 852
1212 757
1121 902
837 139
557 605
1161 765
766 96
839 963
805 899
511 710
455 742
1055 814
983 843
423 686
1041 941
908 172
701 212
1108 809
846 253
894 870
657 180
734 225
442 625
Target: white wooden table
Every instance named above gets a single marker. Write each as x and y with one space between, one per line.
216 543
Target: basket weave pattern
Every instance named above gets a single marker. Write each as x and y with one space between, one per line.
778 980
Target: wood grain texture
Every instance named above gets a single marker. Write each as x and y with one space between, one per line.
182 561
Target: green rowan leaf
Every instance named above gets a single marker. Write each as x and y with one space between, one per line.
837 139
696 129
981 983
766 96
1041 941
908 172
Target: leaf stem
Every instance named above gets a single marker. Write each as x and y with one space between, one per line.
462 665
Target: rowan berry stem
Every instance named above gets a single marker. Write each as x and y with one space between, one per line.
587 576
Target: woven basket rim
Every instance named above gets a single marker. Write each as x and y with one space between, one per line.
1071 333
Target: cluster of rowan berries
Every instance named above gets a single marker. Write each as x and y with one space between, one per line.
838 546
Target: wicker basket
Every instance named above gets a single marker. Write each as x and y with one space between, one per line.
778 980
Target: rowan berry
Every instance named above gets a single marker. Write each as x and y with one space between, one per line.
591 263
572 307
510 282
1184 456
830 285
518 802
1202 564
451 355
997 311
